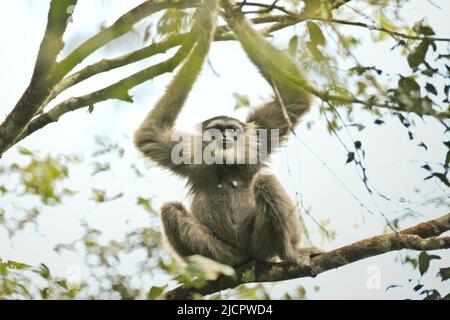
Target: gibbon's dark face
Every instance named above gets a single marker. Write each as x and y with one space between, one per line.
226 138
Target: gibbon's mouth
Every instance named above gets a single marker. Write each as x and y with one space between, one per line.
225 144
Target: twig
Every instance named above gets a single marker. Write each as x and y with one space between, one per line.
279 99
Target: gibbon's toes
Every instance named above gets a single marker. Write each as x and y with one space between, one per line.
304 262
310 251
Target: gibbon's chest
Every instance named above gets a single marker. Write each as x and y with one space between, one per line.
223 205
227 197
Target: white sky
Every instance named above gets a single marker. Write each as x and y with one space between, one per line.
392 160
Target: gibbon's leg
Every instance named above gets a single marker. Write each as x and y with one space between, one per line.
187 236
275 223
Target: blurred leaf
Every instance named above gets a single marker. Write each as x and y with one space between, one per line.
315 33
293 46
25 151
444 273
155 293
317 54
206 268
146 204
421 28
63 284
242 101
350 157
418 287
430 88
173 21
417 55
424 261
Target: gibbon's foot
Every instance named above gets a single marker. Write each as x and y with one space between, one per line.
311 251
187 236
303 260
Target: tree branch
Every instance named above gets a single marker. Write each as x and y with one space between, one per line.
43 78
120 27
287 20
48 91
48 72
118 90
105 65
420 237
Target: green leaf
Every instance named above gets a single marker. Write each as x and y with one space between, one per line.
430 88
207 269
417 55
311 6
317 54
315 33
421 28
293 46
432 295
350 157
418 287
155 293
444 273
63 284
248 275
412 261
14 265
424 261
146 204
25 151
44 271
242 101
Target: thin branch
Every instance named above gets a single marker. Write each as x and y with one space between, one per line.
267 7
120 27
382 29
118 90
279 100
288 20
123 25
105 65
420 237
110 64
325 96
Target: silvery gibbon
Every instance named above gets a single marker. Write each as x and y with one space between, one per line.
239 211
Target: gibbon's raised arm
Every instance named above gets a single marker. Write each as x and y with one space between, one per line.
153 138
278 69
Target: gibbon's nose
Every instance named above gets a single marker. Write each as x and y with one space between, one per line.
226 144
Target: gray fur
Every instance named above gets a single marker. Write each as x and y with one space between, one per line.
238 213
